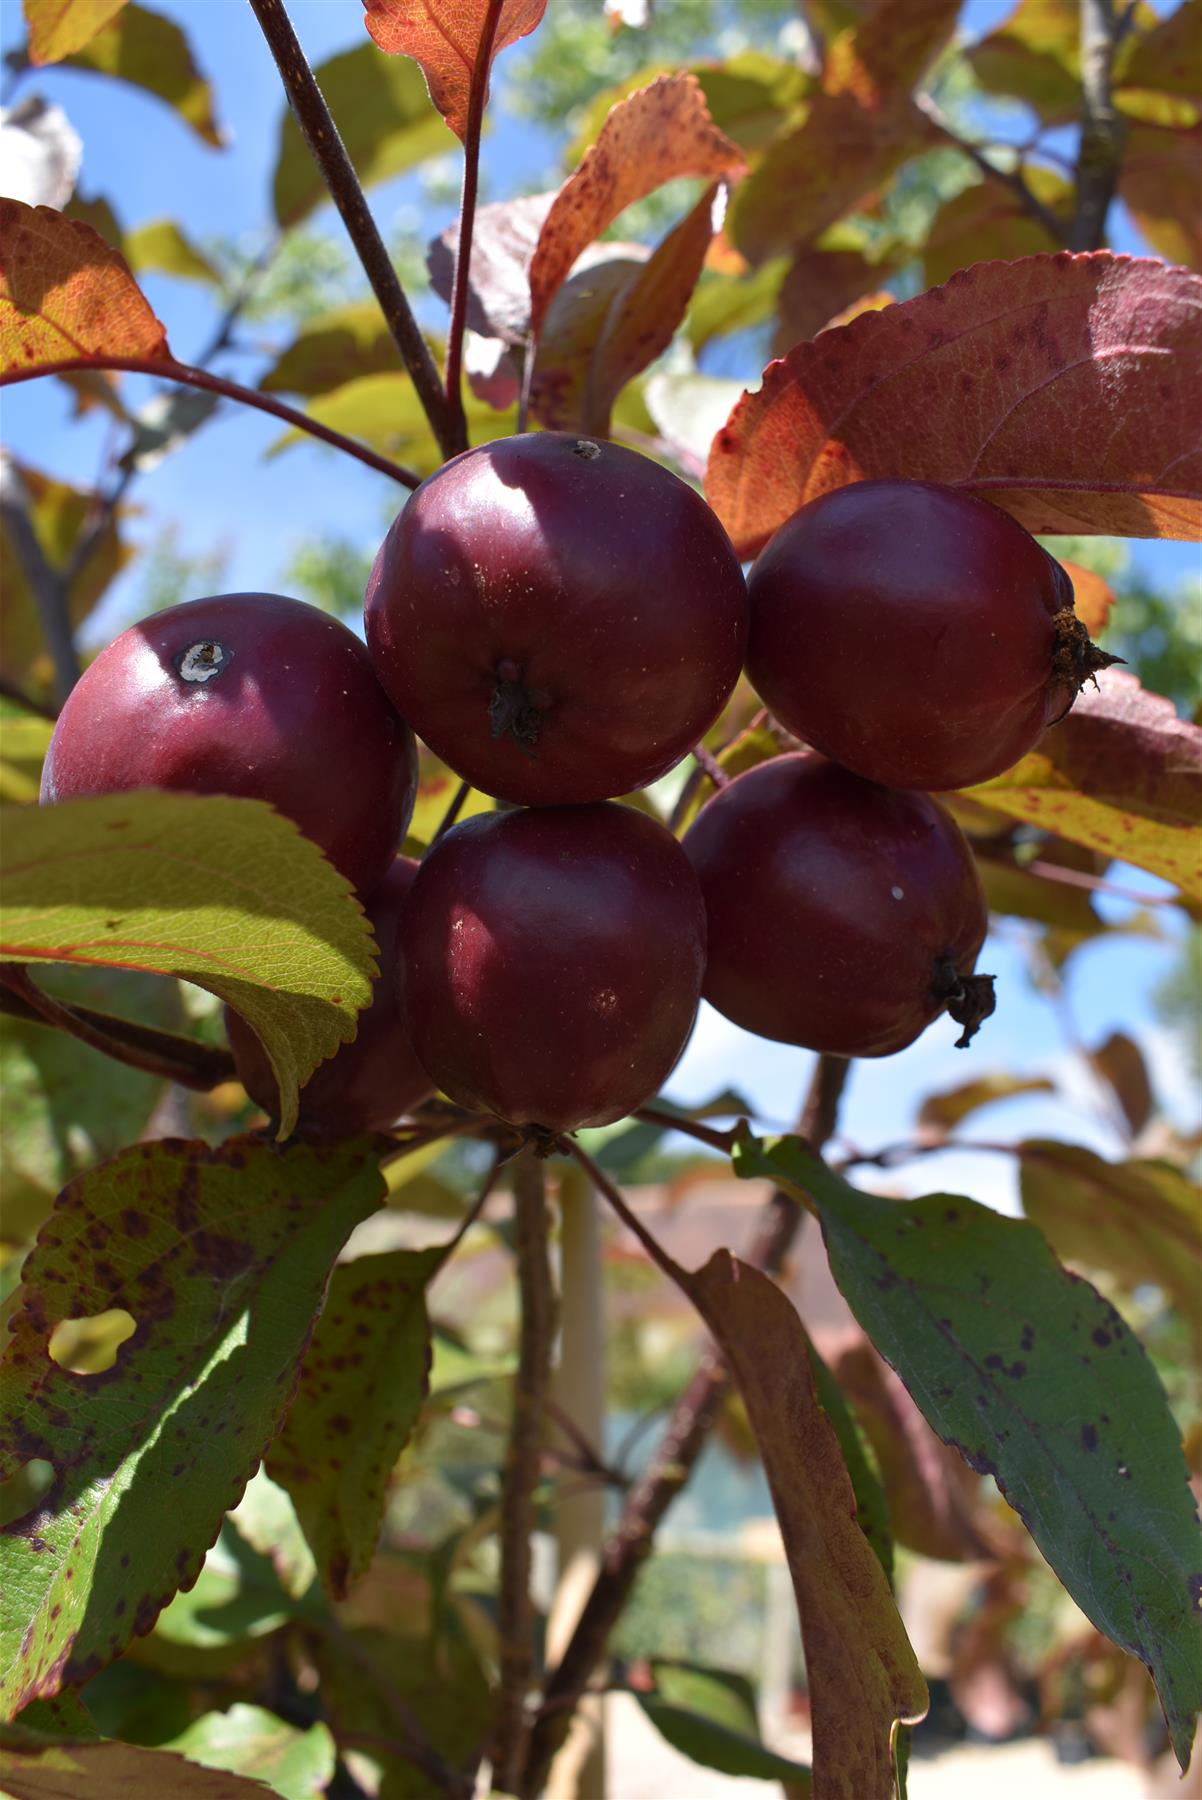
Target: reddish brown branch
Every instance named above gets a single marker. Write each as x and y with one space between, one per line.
461 283
162 1053
170 370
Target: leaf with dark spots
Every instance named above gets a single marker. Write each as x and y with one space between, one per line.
862 1670
1121 774
1040 385
362 1385
149 1454
1139 1221
1117 1523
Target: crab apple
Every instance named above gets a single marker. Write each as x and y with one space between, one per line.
841 915
914 633
552 962
253 695
374 1079
560 620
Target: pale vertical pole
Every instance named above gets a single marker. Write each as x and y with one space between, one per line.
578 1772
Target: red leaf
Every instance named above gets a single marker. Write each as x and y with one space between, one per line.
1063 388
661 132
65 294
445 37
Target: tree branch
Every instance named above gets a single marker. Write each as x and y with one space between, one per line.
461 283
518 1512
329 153
684 1438
170 370
162 1053
1100 153
1011 179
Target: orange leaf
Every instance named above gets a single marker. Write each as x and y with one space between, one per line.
445 37
660 132
1062 388
64 294
59 28
1092 597
862 1671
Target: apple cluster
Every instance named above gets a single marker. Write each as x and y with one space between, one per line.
561 621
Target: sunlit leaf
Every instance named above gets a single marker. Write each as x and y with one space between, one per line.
153 53
1160 69
709 1715
221 1257
661 132
1121 774
1093 597
1033 56
1034 1377
1058 387
819 284
362 1384
988 220
385 412
163 246
65 294
37 1767
249 1740
337 347
57 27
446 37
943 1112
1161 182
383 114
222 892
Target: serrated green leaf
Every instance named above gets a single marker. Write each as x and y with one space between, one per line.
236 1597
221 892
163 248
362 1384
382 109
221 1258
709 1715
1037 1381
153 53
249 1740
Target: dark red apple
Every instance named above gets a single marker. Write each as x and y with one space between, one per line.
560 620
914 633
253 695
373 1080
552 963
841 915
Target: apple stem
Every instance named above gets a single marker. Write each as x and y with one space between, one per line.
968 999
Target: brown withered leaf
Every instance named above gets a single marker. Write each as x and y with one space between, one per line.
1121 774
818 286
1120 1063
660 132
1043 385
65 295
446 38
862 1671
930 1487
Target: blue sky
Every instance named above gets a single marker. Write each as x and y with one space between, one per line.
222 493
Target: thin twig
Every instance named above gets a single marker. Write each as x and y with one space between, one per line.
1100 151
461 283
705 1134
453 811
706 760
169 370
1012 179
329 153
531 1387
685 1436
164 1053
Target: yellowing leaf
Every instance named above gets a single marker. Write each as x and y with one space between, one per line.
337 347
64 295
151 52
164 247
1093 597
221 892
59 27
661 132
447 37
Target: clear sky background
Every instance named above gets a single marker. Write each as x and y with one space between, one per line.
221 493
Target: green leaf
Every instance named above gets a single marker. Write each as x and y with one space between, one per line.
23 744
1140 1221
64 1106
1159 77
266 1518
1033 56
337 347
162 247
1037 1381
249 1740
385 412
987 221
872 1507
237 1596
362 1385
709 1715
57 27
436 788
33 1767
725 303
222 892
383 111
152 52
221 1258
